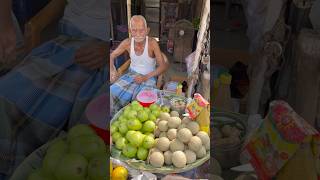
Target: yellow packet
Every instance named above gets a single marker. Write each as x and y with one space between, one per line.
194 109
204 120
196 106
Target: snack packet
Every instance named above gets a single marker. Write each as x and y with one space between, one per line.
196 106
280 142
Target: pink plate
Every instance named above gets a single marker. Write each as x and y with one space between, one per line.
147 97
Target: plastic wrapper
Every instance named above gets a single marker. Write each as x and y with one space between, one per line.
145 176
302 158
171 86
281 139
174 177
254 122
189 62
196 106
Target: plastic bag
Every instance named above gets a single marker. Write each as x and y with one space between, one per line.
171 86
145 176
174 177
189 61
254 121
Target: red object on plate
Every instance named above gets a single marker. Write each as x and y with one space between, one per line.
147 97
146 104
104 134
96 113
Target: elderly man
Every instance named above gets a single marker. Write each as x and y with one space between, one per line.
145 54
51 87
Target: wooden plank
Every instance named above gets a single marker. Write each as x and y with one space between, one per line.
129 14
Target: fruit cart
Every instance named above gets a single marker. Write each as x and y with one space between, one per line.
158 138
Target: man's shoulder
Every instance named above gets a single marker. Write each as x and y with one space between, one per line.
153 41
126 42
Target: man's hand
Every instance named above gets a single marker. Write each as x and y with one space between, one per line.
7 42
113 75
92 56
140 79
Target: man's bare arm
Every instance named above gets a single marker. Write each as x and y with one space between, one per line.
123 46
162 65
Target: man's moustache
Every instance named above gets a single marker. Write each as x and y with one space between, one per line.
139 38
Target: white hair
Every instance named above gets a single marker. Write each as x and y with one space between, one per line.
138 17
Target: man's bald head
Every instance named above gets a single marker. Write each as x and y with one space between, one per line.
138 20
138 28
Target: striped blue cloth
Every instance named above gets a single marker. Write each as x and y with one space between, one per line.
48 82
41 95
125 89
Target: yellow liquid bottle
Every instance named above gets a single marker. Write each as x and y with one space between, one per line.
179 89
204 120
